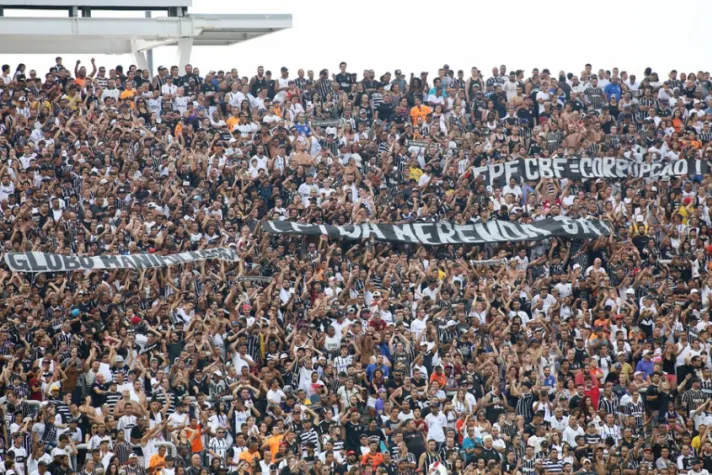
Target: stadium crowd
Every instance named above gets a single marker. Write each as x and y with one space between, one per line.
320 356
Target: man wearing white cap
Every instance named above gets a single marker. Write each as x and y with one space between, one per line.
217 385
133 467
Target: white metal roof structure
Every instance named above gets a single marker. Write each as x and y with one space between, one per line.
86 35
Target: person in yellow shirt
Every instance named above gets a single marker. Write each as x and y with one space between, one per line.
419 111
414 171
73 98
686 210
38 103
696 442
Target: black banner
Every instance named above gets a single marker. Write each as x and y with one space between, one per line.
578 168
447 233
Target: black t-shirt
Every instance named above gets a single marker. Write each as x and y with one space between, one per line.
651 392
174 350
137 433
419 384
385 111
508 467
345 81
415 442
390 424
490 454
353 435
97 399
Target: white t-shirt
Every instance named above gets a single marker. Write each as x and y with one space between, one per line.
105 369
510 89
181 103
171 89
176 419
435 426
542 95
126 423
20 458
113 93
240 361
6 191
275 397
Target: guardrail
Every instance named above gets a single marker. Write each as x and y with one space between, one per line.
169 445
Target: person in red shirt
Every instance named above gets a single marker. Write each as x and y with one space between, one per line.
592 390
377 322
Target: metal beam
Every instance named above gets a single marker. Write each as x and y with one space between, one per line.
99 27
241 22
149 53
143 45
97 4
76 35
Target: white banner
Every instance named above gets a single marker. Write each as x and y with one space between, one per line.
34 262
533 169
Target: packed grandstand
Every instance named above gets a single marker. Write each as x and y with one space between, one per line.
488 273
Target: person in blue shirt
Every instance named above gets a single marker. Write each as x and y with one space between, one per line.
370 369
645 365
302 128
613 89
549 380
469 443
437 84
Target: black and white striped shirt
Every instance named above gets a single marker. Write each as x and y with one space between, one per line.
50 432
323 87
137 470
524 406
648 102
592 440
552 466
301 83
160 396
528 466
692 398
338 445
219 446
595 96
494 80
637 410
123 450
610 406
309 436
